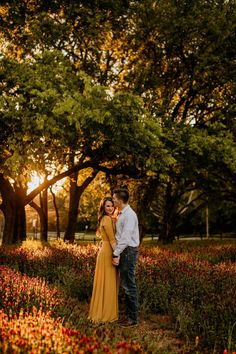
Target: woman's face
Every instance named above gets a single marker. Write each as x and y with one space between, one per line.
109 207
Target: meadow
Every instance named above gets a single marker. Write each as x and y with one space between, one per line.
187 290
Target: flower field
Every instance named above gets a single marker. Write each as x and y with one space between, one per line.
42 287
198 293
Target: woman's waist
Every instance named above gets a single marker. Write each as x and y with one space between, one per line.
106 244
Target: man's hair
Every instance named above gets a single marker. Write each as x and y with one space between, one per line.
122 193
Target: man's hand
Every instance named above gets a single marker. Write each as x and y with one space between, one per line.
116 261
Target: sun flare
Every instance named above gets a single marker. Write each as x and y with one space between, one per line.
36 180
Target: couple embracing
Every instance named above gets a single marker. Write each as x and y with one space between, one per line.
116 261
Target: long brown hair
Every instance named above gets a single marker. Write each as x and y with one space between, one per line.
101 209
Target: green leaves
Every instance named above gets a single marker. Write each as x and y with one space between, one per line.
149 85
62 111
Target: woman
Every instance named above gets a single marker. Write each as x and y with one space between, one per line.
104 301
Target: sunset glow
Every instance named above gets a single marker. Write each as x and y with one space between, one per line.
37 179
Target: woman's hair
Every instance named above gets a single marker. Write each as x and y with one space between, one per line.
101 209
122 193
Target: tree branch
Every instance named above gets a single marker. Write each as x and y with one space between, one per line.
56 178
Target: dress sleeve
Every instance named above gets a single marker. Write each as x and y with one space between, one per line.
110 230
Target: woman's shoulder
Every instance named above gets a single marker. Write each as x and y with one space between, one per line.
106 218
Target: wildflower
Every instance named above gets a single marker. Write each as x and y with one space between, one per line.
196 341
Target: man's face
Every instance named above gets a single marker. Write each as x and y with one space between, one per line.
117 202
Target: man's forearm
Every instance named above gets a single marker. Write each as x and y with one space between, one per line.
119 248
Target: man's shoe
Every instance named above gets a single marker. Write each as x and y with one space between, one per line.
128 324
121 321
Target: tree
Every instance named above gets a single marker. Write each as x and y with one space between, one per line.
201 169
183 65
178 56
54 118
75 195
89 33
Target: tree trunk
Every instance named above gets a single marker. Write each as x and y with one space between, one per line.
14 212
145 197
57 213
42 211
207 222
167 233
20 222
8 209
44 216
168 227
75 194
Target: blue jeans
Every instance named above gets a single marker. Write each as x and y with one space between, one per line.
128 261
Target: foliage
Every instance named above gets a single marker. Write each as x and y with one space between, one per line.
105 62
55 263
195 285
37 332
21 291
89 33
199 170
62 122
63 110
38 318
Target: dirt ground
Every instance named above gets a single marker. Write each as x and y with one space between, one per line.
155 333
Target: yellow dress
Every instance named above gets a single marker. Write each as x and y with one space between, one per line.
104 301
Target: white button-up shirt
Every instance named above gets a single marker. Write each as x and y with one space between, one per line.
127 231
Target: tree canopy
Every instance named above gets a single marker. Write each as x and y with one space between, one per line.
142 90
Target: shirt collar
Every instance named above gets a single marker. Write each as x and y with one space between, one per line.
124 209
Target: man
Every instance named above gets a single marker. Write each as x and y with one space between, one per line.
125 255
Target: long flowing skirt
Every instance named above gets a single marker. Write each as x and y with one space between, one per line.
104 301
